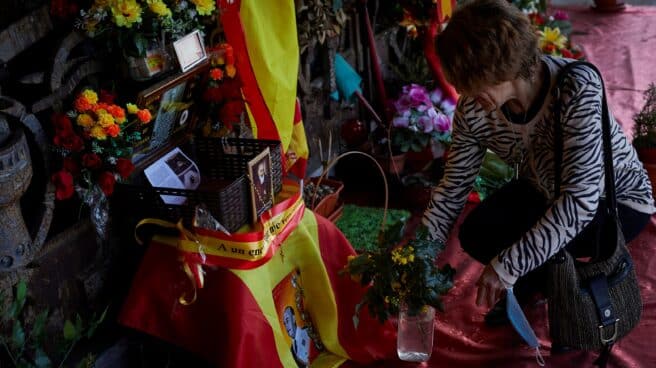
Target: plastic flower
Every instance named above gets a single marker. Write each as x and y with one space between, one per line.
552 36
113 130
158 7
144 116
126 12
132 108
105 119
204 7
560 15
117 113
85 121
91 96
216 74
98 133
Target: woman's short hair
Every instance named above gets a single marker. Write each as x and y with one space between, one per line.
487 42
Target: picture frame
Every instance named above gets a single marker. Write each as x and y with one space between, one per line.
260 177
190 50
172 105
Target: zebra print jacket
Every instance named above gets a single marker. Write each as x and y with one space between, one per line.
475 131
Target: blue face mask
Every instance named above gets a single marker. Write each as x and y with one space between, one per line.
521 325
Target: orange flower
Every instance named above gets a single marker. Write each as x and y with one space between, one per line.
117 112
82 104
231 71
113 130
549 48
144 116
216 74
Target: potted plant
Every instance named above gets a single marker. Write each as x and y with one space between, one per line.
402 280
644 132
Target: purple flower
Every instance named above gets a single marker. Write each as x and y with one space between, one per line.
441 123
418 96
401 122
560 15
402 104
436 96
425 124
448 106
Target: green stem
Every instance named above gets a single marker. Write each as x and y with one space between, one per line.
68 352
11 356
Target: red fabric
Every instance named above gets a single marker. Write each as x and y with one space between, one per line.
623 46
203 327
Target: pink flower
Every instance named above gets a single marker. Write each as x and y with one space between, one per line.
560 15
448 106
403 104
441 123
418 96
401 122
425 124
436 96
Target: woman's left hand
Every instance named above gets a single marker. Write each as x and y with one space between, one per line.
490 287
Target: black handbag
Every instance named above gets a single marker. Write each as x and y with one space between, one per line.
592 304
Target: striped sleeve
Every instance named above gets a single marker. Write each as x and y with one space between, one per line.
582 180
463 164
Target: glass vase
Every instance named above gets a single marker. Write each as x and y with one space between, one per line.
415 334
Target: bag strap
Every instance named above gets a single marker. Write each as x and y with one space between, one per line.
611 200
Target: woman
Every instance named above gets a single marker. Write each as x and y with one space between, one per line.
489 52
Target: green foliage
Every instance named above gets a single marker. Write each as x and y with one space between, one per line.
644 130
397 274
361 225
493 175
24 344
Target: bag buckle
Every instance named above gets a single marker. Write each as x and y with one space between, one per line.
610 340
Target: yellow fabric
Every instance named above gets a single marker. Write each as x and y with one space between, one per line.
300 251
447 8
270 31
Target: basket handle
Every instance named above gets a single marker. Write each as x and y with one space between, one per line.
380 169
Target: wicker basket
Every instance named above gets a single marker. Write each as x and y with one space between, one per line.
224 185
327 205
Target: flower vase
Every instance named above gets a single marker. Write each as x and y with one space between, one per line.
98 210
155 61
415 334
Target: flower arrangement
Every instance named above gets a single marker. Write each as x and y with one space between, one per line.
225 103
421 117
553 31
400 276
95 139
133 24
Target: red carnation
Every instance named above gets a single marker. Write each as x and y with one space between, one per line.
91 161
71 166
124 167
106 182
106 96
62 124
69 141
63 181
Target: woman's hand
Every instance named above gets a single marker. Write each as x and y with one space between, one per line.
490 287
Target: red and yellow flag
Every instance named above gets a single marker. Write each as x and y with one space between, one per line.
263 35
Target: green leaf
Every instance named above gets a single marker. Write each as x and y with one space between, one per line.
38 328
21 291
41 360
69 330
18 335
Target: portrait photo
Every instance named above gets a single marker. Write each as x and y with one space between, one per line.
259 174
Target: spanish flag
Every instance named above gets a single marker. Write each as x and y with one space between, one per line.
294 310
263 35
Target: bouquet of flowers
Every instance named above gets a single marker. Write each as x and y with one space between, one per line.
95 140
134 24
421 117
400 276
223 94
553 31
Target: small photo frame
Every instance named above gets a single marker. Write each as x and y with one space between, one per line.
190 50
261 180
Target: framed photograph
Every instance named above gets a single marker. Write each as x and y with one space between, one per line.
190 50
171 103
260 177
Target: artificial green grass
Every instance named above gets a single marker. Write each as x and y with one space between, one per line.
361 225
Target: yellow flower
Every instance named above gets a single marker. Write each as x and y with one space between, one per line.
91 96
126 12
552 36
132 108
411 258
85 121
105 119
98 132
204 7
158 7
